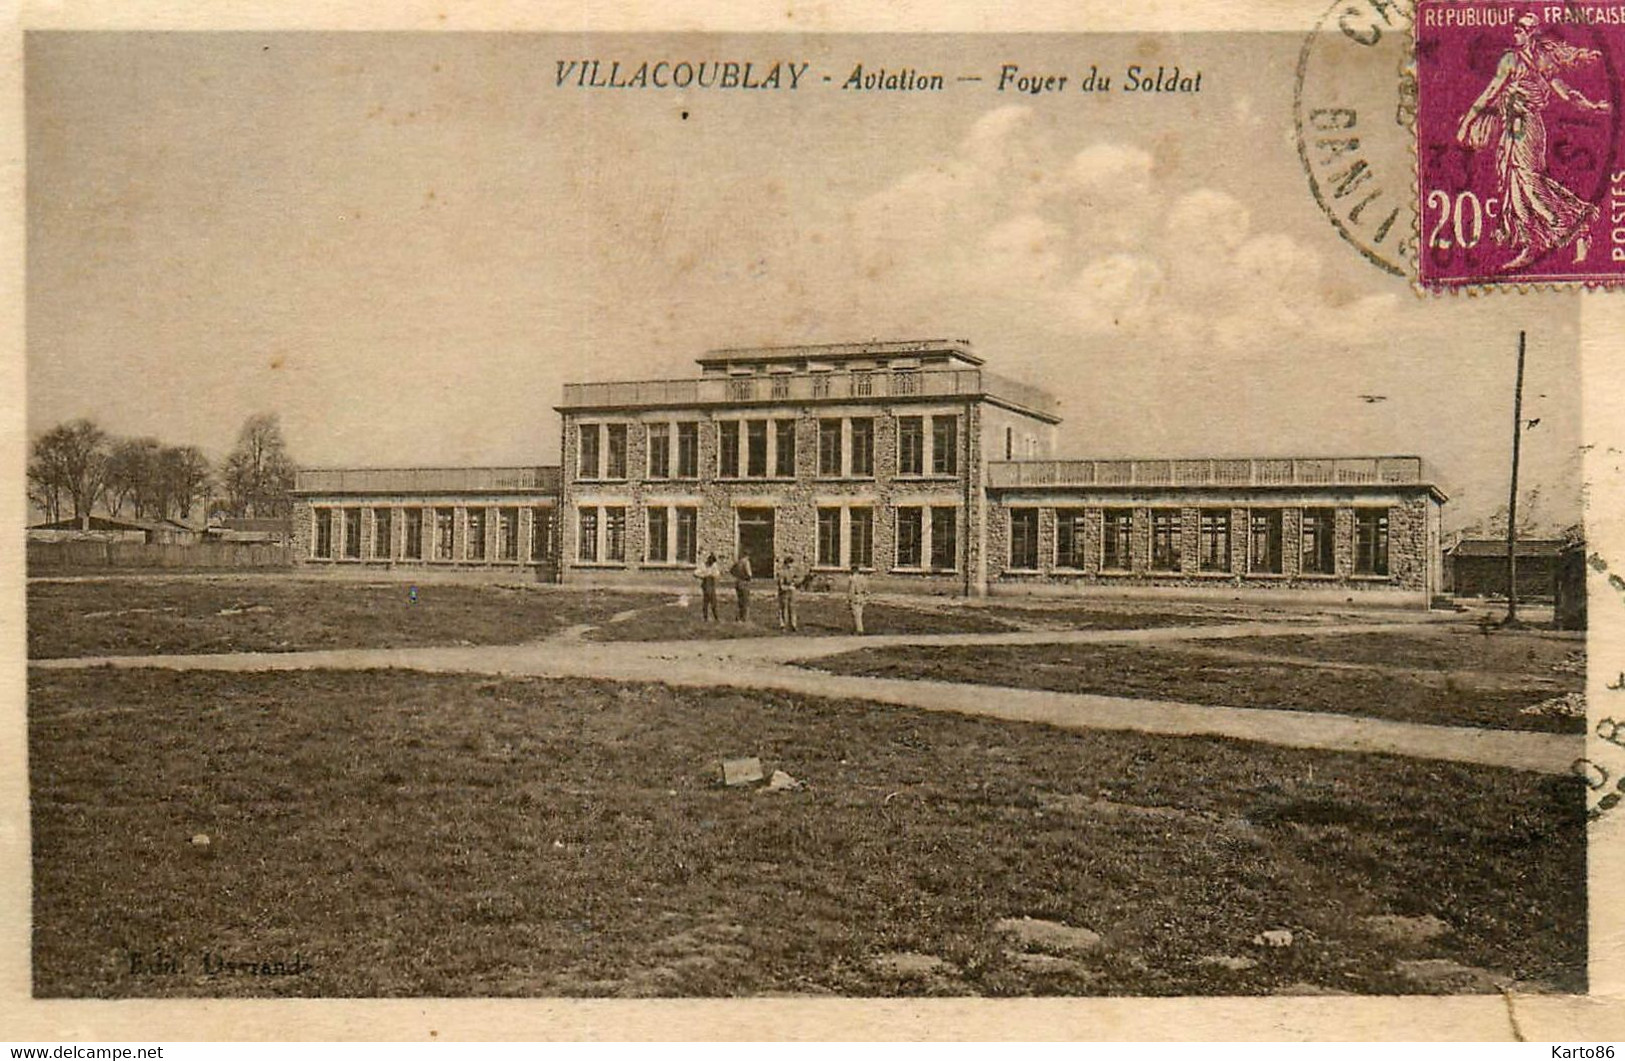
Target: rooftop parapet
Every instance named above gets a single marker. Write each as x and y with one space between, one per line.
525 480
1213 471
957 349
808 387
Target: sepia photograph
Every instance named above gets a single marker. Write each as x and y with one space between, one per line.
799 515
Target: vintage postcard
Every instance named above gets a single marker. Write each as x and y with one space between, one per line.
867 528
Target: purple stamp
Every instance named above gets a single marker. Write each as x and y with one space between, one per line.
1519 178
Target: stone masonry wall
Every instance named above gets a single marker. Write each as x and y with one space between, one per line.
795 500
1408 559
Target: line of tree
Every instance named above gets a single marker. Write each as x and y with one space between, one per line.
77 469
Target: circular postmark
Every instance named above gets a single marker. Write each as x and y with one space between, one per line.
1353 107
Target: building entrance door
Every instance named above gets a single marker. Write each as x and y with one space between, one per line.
756 539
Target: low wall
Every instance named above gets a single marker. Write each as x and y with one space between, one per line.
45 557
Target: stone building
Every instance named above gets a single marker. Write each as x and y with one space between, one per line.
1322 525
873 453
501 520
910 459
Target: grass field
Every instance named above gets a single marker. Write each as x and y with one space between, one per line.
1436 678
818 614
407 834
147 616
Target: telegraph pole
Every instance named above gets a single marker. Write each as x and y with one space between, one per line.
1512 502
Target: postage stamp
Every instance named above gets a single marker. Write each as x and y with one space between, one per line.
1517 143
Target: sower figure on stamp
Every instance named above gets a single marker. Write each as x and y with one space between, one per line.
708 572
857 595
787 595
1537 213
741 575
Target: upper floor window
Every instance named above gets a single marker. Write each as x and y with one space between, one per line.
688 450
587 451
863 383
944 445
829 447
784 455
863 445
910 445
659 451
615 452
728 449
756 448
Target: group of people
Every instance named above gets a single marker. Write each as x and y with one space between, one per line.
787 582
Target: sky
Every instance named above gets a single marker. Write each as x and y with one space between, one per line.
405 244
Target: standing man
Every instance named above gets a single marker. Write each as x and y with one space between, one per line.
741 574
708 573
787 595
857 594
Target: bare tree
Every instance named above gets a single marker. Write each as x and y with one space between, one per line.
133 477
258 474
44 486
184 475
69 462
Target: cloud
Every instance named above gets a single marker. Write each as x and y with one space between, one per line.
1096 246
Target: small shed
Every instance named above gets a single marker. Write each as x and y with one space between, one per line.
252 531
1569 611
89 529
1477 567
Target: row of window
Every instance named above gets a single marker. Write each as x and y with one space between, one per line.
927 537
1265 544
759 449
430 533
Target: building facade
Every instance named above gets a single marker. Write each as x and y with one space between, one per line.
501 520
871 453
909 459
1329 525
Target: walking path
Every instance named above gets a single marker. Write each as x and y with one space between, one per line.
766 663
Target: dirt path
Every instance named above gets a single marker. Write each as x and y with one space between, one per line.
766 663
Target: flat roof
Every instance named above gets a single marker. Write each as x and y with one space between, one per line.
529 478
1498 547
960 348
